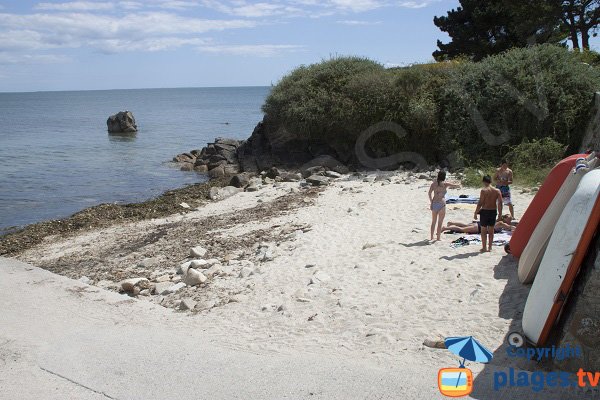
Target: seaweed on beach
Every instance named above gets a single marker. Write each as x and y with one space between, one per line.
105 215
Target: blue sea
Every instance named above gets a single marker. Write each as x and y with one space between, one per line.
57 158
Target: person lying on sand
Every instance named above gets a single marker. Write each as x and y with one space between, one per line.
474 228
488 208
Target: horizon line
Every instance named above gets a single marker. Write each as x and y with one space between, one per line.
143 88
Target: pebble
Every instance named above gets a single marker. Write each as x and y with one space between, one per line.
333 174
163 278
198 252
319 277
85 280
162 287
187 304
303 300
246 272
184 267
198 264
176 287
194 277
185 205
128 285
145 292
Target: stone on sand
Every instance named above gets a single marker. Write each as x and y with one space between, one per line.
128 285
198 252
246 272
194 277
187 304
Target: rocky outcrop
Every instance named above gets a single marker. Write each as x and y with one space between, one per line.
580 325
218 159
121 122
273 146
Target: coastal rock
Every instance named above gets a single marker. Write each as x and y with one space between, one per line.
218 172
290 177
317 180
201 168
194 277
121 122
333 174
240 180
198 252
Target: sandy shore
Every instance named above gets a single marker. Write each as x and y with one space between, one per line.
347 269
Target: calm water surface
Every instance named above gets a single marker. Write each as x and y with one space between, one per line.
56 157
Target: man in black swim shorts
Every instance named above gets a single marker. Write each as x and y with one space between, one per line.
488 208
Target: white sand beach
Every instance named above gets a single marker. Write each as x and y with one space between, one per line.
349 271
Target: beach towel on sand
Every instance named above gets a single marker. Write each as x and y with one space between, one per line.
462 200
500 239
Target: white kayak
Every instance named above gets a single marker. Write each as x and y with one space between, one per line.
536 246
563 257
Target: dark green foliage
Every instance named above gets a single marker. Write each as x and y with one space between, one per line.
530 93
543 91
544 152
479 28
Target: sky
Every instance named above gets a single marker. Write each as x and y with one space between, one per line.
110 44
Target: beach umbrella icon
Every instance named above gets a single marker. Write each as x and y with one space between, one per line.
468 348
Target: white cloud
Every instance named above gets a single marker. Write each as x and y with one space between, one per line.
253 10
306 8
260 50
81 29
414 4
6 58
130 5
75 6
177 5
358 23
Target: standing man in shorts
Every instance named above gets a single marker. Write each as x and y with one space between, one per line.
488 208
504 178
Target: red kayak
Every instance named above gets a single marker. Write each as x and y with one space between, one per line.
540 203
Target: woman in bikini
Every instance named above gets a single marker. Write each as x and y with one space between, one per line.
474 228
437 200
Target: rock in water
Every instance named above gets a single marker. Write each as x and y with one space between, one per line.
121 122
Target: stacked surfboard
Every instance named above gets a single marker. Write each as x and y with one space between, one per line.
559 226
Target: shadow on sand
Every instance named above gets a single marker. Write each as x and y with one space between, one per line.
416 244
511 305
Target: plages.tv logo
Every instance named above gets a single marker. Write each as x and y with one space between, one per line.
458 382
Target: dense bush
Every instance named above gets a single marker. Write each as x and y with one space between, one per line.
543 91
544 152
538 92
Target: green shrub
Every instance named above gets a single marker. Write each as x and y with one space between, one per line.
544 152
542 91
524 94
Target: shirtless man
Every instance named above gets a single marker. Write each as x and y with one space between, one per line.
488 208
504 178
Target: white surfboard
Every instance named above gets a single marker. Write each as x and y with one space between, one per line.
536 246
573 231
